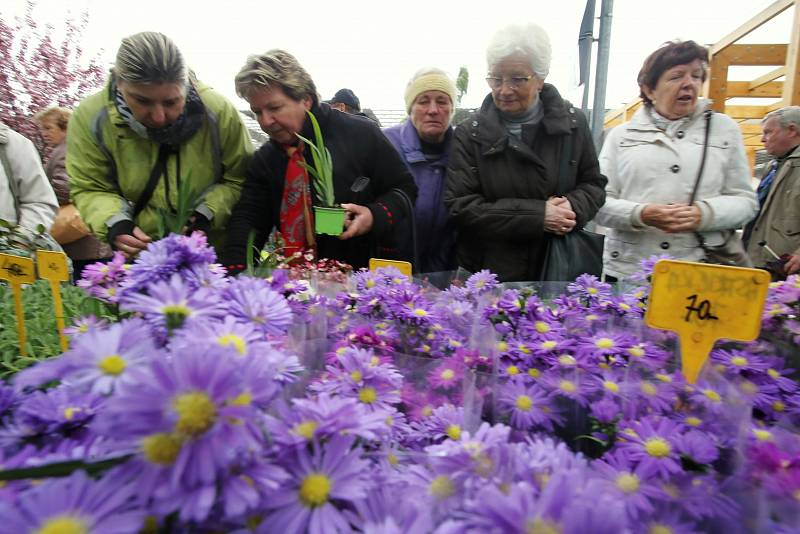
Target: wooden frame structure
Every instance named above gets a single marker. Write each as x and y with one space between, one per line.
782 82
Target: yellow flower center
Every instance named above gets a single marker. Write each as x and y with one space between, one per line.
541 327
175 314
502 346
373 361
83 328
636 352
591 317
63 525
712 395
592 290
534 372
739 361
70 411
161 448
370 283
447 374
762 435
693 421
541 526
778 406
659 528
367 395
648 389
305 429
523 348
314 490
427 411
567 386
604 343
232 339
112 365
773 374
453 432
512 370
566 359
419 312
627 483
356 376
611 386
442 487
242 399
524 403
393 459
196 413
657 447
748 388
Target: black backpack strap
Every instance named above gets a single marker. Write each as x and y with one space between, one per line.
155 174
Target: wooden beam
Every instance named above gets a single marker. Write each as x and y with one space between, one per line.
768 13
755 54
750 129
746 112
751 159
768 77
791 88
716 83
766 90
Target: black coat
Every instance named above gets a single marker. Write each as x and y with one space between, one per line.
497 185
358 148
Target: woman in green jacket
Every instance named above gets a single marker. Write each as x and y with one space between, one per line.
131 147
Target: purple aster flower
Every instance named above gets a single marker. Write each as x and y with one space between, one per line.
105 280
573 385
699 446
481 455
172 304
589 288
606 410
76 504
446 421
703 498
252 478
647 266
651 442
739 361
649 396
8 398
629 483
528 407
243 337
188 415
252 300
321 418
420 403
82 325
481 282
321 482
58 409
668 519
447 375
360 376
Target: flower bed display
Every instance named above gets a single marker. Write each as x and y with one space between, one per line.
377 404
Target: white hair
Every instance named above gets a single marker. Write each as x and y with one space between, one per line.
528 40
786 116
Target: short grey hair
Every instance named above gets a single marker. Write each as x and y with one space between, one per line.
786 116
276 68
529 40
150 58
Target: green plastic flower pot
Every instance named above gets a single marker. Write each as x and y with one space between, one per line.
329 221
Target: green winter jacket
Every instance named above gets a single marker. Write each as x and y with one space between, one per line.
105 191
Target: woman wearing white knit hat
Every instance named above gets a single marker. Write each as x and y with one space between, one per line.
424 143
503 184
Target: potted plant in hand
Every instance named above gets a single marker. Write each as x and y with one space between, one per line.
328 217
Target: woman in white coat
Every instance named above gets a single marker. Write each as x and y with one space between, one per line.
652 163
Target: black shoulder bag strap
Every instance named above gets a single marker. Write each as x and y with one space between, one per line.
155 174
707 116
563 165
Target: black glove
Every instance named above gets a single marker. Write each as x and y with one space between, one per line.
119 228
198 222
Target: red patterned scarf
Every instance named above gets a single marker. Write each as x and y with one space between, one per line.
296 220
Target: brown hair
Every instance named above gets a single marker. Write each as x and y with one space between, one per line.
56 115
276 68
668 55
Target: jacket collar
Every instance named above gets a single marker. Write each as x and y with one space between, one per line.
489 127
412 145
641 120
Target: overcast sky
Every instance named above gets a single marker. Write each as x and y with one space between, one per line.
373 47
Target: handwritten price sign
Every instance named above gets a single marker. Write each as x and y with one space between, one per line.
703 303
403 266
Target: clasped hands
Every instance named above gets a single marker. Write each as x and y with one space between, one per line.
559 218
672 218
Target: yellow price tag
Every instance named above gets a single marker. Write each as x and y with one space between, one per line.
17 270
52 267
703 303
403 266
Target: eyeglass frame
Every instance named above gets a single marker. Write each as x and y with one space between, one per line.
496 82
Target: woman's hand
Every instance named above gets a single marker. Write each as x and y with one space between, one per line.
672 218
358 221
559 218
131 245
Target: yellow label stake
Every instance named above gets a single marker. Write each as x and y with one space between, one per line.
17 270
52 267
403 266
703 303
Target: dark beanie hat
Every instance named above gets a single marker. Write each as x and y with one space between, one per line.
346 97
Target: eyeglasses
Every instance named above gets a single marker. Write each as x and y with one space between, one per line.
514 82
